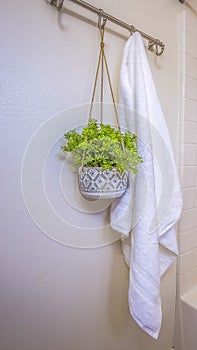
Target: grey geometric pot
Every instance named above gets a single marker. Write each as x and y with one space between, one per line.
96 183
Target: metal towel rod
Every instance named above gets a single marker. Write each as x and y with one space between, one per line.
188 5
152 42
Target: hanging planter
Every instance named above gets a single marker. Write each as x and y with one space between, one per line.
102 153
98 183
103 156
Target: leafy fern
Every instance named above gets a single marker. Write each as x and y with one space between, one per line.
104 147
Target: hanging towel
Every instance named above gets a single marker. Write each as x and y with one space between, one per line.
146 214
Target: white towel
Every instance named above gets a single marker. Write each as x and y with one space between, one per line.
155 207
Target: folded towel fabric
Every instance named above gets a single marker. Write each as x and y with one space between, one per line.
146 214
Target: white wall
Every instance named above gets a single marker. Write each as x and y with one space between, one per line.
53 296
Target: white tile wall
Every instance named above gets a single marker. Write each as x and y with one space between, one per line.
190 88
190 66
189 133
187 240
187 236
188 176
191 23
188 220
188 280
190 110
188 154
189 198
188 261
187 227
190 43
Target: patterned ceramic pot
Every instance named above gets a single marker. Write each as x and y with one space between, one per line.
97 183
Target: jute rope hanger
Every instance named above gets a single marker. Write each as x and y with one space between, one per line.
101 65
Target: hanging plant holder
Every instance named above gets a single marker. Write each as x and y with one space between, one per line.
95 182
104 156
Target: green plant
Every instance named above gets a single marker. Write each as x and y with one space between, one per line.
102 146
